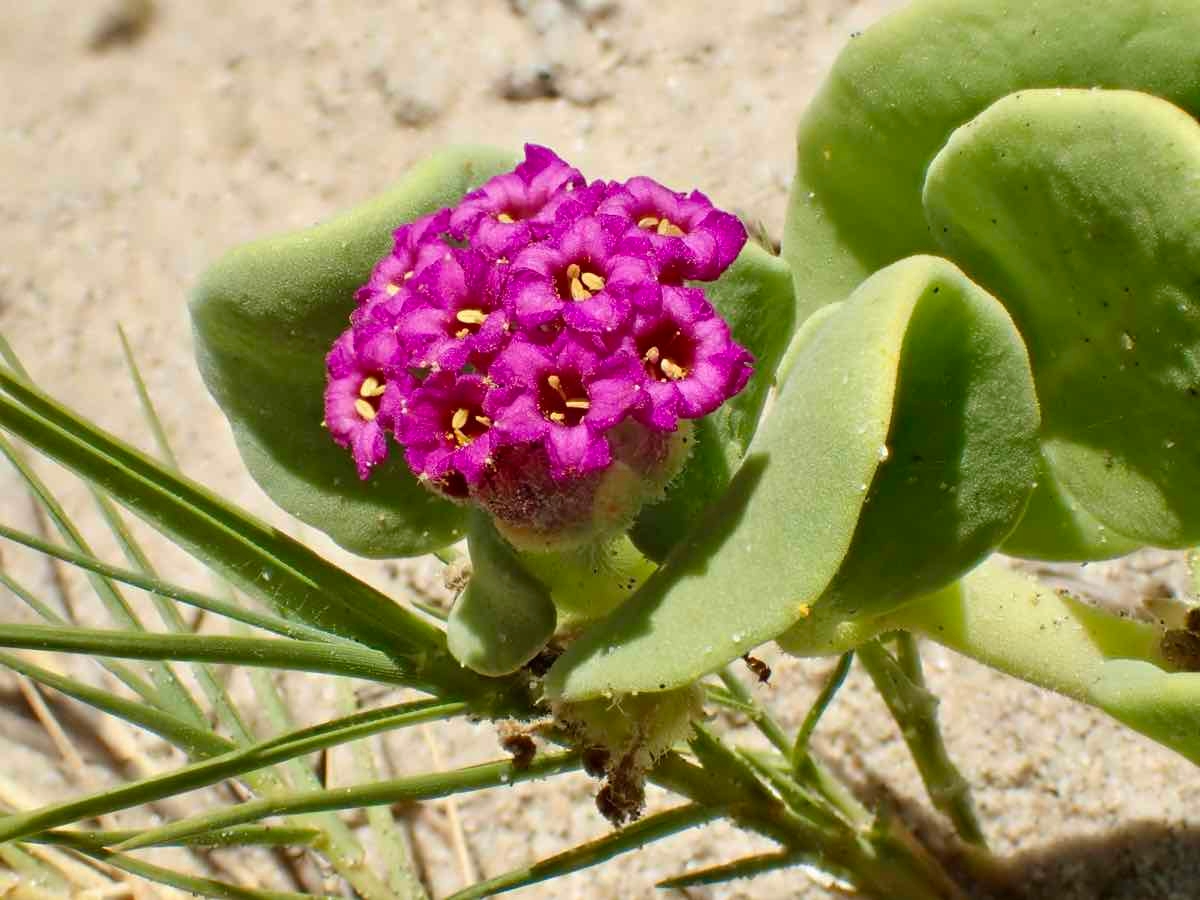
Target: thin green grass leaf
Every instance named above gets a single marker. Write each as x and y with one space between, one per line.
183 734
760 717
348 660
241 836
197 885
631 837
748 867
120 671
149 413
250 554
341 846
168 691
828 691
399 790
265 621
231 763
401 874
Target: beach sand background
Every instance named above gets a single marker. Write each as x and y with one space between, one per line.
135 148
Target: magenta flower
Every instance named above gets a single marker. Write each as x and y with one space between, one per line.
455 316
565 396
446 428
361 401
690 361
415 246
710 237
510 211
580 277
539 363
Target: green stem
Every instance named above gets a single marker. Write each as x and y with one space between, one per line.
828 691
761 718
915 710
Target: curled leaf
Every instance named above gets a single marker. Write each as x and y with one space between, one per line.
264 317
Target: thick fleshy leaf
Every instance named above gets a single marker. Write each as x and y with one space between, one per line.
1056 527
898 90
1079 210
754 296
505 615
919 332
1162 705
266 314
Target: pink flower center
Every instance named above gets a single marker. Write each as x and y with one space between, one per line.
466 423
370 392
579 281
562 399
667 353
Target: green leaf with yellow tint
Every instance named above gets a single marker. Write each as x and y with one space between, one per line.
266 314
777 538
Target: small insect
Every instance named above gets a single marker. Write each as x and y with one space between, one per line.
760 669
521 747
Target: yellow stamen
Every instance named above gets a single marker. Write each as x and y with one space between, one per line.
505 218
459 419
365 410
592 281
371 387
578 404
392 289
557 416
578 291
462 333
573 270
484 421
672 370
471 316
652 355
648 222
556 385
669 229
409 274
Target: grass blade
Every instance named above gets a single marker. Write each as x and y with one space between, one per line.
400 790
181 733
231 763
742 868
828 691
347 660
241 836
121 672
631 837
267 622
202 887
258 559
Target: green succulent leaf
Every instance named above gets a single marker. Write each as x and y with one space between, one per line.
264 317
915 339
1162 705
755 297
505 615
1079 209
865 141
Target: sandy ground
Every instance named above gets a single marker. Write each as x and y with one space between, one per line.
129 164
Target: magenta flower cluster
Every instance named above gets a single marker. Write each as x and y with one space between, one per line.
529 322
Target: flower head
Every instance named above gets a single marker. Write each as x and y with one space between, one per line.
542 362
